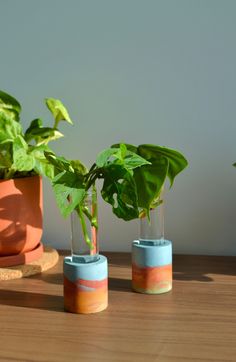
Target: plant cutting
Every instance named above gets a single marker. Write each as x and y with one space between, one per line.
22 163
85 271
133 178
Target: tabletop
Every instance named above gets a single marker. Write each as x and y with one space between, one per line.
196 321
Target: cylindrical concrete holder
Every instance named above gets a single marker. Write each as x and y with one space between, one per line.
85 286
152 266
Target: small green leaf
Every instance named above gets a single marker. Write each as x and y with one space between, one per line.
104 156
35 124
129 147
58 110
9 106
133 161
59 162
123 150
79 167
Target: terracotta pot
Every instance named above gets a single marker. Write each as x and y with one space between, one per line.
21 215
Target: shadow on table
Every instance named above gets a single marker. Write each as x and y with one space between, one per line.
31 300
202 267
51 278
118 284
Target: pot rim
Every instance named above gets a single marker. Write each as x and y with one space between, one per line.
20 178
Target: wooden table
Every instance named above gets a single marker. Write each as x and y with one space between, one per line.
194 322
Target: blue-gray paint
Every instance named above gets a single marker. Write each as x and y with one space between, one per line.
144 255
90 271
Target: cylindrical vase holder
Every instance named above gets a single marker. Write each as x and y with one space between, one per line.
152 266
85 286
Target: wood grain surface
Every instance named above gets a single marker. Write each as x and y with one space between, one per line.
196 321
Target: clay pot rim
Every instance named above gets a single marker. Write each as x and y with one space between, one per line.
19 178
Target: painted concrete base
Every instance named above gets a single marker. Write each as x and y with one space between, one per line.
85 286
152 266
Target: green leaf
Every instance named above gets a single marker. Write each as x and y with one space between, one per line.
22 161
119 190
104 156
120 156
35 124
128 146
9 129
58 110
5 156
79 167
177 161
234 164
41 135
9 106
133 161
69 191
42 165
149 181
59 162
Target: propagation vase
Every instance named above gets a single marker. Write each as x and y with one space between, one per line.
152 256
85 271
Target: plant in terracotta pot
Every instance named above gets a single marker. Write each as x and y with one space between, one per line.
22 163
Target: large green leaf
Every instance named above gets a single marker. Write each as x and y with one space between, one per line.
177 161
119 190
22 161
150 178
42 165
9 106
149 181
69 191
58 110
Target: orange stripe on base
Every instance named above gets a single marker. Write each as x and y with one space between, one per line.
153 280
77 300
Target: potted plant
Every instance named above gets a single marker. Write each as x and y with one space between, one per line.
22 162
133 178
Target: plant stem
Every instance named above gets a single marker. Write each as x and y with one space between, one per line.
9 174
83 225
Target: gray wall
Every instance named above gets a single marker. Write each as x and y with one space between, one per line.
140 71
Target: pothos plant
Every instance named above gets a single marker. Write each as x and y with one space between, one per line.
133 178
22 153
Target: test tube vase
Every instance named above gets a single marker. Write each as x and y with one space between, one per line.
152 256
85 271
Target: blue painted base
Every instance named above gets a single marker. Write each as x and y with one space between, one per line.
152 266
85 286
